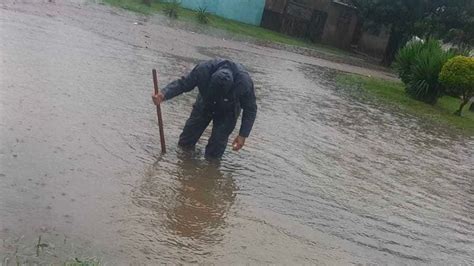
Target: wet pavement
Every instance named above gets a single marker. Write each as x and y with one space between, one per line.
328 176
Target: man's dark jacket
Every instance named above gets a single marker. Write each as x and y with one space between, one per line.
214 103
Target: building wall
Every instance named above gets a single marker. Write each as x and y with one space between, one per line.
271 20
340 25
247 11
279 6
374 44
327 21
322 5
276 6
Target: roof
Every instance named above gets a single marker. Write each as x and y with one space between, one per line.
347 3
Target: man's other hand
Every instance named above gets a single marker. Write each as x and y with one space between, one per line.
238 143
158 98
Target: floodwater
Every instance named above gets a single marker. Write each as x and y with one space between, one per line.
328 176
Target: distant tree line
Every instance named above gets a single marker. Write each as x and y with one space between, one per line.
449 20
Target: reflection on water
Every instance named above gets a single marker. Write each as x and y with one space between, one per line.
202 199
187 200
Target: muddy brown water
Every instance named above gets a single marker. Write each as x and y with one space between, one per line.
328 176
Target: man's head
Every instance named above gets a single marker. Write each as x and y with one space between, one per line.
221 82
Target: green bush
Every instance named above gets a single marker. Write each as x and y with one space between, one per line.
405 58
171 9
457 75
424 83
203 16
418 65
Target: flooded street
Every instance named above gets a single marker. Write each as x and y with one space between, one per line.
328 176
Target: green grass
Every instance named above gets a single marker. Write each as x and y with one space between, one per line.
231 26
136 6
78 262
393 93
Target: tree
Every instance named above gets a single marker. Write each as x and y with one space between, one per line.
450 20
457 75
419 64
400 16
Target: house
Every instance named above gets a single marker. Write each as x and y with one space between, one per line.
246 11
328 21
371 41
333 22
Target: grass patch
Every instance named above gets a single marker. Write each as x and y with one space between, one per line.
79 262
393 93
172 9
231 26
135 6
203 16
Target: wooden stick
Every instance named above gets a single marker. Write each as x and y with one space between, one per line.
158 113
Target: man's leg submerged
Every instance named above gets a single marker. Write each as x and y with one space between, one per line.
193 129
221 130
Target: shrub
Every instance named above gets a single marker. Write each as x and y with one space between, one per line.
418 65
405 57
424 83
147 2
457 75
171 9
203 16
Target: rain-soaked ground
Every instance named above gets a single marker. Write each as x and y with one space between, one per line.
327 177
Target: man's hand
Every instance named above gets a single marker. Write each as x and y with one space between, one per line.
158 98
238 143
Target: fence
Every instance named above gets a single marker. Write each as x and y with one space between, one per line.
246 11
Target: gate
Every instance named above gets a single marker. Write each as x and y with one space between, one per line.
316 25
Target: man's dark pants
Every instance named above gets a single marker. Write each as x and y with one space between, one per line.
222 127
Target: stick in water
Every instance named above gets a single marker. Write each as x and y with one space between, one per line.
158 113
